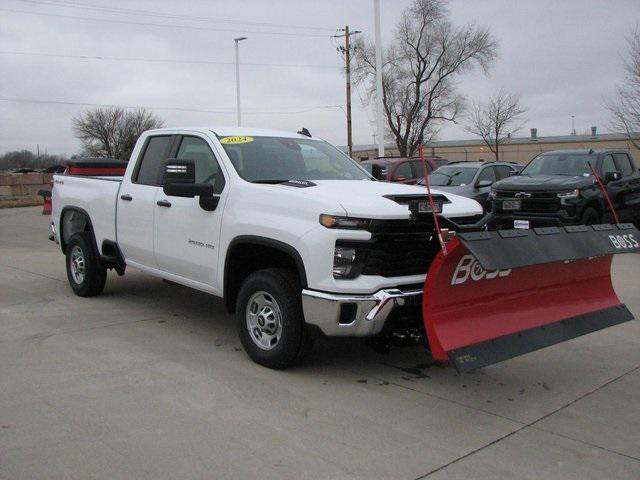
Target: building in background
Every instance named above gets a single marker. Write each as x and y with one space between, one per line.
516 149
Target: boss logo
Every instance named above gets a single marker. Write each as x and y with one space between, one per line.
469 268
624 241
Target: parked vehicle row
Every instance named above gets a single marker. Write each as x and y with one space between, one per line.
555 188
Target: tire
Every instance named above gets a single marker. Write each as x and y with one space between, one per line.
85 273
590 216
269 319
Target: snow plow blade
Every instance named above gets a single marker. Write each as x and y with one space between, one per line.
497 295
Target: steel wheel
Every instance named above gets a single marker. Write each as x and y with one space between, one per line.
77 265
264 320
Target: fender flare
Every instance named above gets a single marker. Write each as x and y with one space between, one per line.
83 212
267 242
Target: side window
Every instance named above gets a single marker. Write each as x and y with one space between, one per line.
155 153
403 170
418 171
207 168
608 165
487 174
502 171
622 160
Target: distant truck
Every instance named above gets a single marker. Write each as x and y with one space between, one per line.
558 188
401 169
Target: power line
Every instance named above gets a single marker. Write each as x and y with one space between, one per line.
149 13
170 25
161 60
177 109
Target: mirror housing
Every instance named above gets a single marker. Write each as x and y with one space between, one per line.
484 183
612 176
180 181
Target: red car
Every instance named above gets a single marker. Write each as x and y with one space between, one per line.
401 169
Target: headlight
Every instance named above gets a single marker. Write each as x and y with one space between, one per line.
571 194
343 262
331 221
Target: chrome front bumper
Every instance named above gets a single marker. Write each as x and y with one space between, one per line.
352 315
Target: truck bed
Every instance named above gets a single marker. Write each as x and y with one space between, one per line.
97 196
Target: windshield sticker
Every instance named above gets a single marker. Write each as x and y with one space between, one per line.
235 140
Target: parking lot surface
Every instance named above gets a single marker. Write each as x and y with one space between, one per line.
148 381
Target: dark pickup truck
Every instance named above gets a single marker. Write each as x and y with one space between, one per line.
558 188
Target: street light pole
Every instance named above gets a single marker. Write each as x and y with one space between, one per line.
379 108
238 40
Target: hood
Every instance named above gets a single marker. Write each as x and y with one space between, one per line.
542 183
361 198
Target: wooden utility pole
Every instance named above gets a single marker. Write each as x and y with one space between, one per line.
346 50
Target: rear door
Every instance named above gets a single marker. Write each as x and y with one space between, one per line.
187 235
136 202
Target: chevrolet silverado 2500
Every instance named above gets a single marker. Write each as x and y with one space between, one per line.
290 231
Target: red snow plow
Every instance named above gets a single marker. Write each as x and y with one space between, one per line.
493 295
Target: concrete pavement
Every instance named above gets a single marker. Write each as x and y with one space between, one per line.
149 381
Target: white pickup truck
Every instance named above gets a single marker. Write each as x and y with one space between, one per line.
293 234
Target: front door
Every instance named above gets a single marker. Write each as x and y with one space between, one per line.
186 235
136 204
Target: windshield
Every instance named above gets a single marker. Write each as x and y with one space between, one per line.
452 176
567 164
278 159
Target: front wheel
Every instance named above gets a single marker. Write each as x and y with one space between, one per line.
590 216
85 272
269 318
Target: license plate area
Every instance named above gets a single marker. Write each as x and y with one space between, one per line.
511 204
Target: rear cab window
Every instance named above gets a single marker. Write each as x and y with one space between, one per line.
150 166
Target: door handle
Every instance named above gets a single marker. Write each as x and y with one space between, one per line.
126 198
163 203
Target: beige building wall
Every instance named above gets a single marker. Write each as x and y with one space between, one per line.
520 151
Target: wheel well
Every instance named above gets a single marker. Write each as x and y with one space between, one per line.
73 221
247 256
596 206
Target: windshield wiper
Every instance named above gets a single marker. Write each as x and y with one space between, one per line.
270 182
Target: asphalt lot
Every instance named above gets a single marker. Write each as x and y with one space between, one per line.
149 381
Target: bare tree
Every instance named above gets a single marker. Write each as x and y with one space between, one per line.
494 120
112 132
420 68
625 107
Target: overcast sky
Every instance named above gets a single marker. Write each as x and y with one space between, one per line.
563 58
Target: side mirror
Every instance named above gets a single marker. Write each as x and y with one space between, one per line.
378 172
180 181
612 176
484 183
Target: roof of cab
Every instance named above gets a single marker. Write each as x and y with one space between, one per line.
228 131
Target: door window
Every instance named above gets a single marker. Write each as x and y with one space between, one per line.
404 170
622 159
151 166
502 171
608 165
418 171
487 173
207 168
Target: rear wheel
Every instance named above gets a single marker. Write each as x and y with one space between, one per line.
269 319
590 216
85 273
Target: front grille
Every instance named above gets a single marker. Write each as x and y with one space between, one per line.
466 220
397 248
538 202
